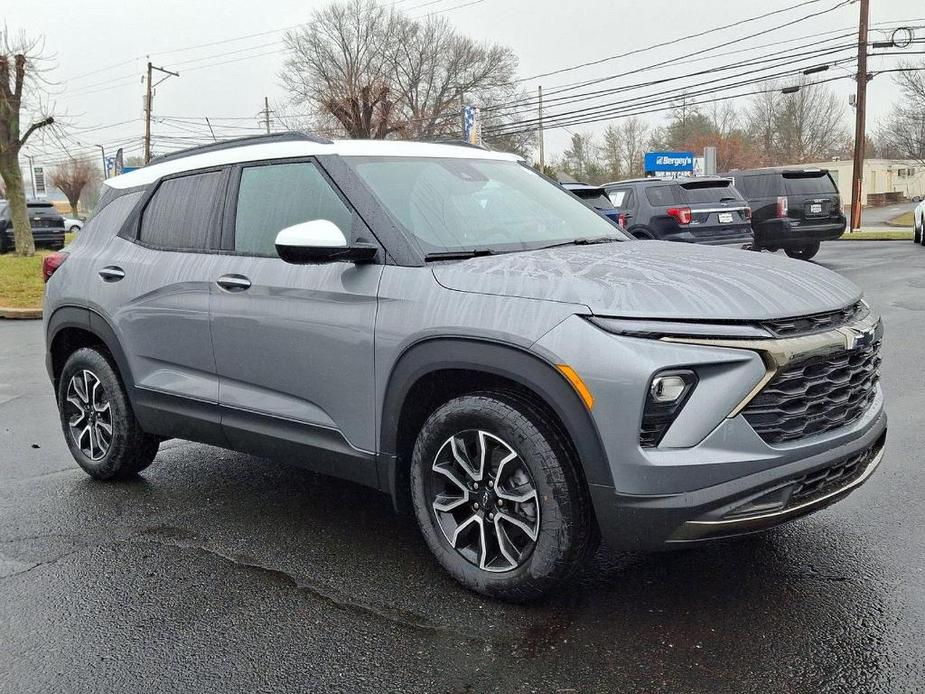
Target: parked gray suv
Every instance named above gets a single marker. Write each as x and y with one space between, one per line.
446 325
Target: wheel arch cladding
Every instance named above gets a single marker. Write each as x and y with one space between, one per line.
433 371
72 327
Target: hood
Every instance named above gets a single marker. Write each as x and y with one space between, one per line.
658 279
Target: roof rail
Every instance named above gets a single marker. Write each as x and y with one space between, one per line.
290 136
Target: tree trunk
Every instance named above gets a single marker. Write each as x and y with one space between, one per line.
16 195
73 203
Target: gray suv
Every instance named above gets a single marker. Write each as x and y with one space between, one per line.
446 325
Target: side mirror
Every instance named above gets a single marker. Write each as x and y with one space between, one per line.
320 241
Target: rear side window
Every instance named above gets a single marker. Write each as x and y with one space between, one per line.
809 184
273 197
183 212
709 191
662 196
595 198
110 218
761 186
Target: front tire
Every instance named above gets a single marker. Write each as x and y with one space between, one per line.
97 418
803 252
498 497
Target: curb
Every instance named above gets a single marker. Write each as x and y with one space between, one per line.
20 313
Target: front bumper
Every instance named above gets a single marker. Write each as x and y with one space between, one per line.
711 463
723 510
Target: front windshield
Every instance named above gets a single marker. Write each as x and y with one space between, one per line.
479 204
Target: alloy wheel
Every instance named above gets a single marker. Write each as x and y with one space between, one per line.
485 501
89 414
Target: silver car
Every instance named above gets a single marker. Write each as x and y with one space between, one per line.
443 324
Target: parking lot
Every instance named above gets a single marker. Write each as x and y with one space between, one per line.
216 571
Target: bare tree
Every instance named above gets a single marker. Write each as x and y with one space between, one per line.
372 72
612 152
902 135
71 179
634 140
19 77
433 66
796 128
340 64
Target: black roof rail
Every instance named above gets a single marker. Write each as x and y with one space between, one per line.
290 136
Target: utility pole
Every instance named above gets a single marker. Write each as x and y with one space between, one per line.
860 123
266 113
103 155
149 93
542 138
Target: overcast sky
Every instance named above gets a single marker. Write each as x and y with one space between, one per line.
100 49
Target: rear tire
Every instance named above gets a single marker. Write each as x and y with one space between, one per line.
517 525
803 252
97 418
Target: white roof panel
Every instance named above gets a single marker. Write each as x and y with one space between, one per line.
302 148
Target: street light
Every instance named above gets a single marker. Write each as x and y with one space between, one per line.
790 90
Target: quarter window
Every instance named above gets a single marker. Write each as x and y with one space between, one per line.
275 196
183 212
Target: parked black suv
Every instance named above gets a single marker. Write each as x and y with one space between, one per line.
792 209
47 225
699 210
596 197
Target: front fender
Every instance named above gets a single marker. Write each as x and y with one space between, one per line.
515 364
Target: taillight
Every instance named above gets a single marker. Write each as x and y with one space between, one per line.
682 214
621 219
50 263
782 206
748 213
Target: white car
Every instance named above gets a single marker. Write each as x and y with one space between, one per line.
73 224
918 223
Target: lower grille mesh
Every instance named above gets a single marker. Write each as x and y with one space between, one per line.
815 395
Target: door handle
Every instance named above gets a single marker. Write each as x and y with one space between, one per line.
233 283
111 273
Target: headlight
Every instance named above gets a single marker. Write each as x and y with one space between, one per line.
656 328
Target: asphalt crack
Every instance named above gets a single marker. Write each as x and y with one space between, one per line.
401 618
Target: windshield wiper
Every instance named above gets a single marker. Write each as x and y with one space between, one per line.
459 255
583 242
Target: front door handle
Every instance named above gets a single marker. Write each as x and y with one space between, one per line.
233 283
111 273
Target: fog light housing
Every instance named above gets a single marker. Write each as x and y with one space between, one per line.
665 398
667 388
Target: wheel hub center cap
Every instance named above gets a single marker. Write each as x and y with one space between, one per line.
486 499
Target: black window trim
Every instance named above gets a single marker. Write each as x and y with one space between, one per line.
132 229
360 230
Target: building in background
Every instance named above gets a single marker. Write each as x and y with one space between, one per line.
886 181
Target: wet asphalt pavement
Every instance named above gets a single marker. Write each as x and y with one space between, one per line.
217 571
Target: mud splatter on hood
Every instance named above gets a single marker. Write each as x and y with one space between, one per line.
658 279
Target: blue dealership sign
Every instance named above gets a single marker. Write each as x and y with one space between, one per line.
669 162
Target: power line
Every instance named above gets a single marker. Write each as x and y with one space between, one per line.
687 37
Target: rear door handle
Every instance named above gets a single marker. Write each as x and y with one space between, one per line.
111 273
233 283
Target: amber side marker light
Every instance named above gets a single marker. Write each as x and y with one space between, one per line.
572 376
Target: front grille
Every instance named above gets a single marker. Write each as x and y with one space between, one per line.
817 322
815 395
822 482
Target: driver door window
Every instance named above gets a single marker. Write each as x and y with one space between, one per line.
276 196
